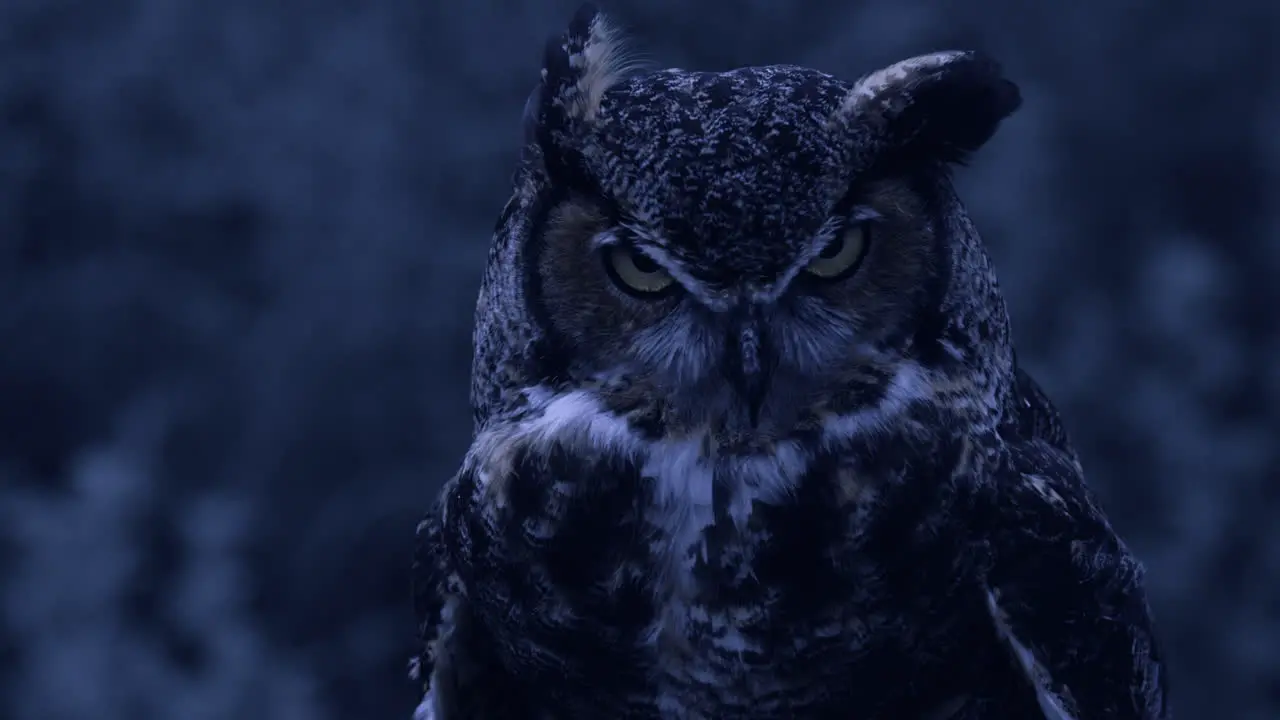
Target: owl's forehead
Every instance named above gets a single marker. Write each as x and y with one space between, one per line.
733 172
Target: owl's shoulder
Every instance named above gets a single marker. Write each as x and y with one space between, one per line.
1035 417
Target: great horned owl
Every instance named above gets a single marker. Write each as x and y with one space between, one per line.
751 439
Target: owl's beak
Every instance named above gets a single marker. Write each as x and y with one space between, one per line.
748 369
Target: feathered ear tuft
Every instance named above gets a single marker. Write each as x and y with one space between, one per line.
577 68
939 107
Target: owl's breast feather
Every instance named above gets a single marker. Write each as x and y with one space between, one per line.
663 570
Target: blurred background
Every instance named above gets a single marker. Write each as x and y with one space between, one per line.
239 249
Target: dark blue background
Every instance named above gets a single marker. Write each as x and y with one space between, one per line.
240 243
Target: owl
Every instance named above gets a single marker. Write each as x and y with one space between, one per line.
751 438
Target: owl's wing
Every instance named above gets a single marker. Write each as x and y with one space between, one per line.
456 665
428 578
1037 417
1066 595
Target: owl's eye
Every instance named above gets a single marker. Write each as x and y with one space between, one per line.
842 255
634 271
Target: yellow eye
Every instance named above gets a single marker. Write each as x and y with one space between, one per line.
635 271
842 254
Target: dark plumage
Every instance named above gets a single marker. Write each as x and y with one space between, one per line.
751 441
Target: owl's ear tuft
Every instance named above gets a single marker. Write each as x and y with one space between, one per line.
578 67
936 108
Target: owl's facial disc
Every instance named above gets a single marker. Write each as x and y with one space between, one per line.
749 337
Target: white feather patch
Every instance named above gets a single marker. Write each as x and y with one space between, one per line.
603 62
426 709
869 88
910 383
1050 704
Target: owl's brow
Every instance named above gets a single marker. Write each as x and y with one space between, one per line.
820 240
653 247
833 225
610 237
605 239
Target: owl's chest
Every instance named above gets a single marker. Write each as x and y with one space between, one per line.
695 535
666 579
768 589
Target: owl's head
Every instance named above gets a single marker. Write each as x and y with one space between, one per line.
753 251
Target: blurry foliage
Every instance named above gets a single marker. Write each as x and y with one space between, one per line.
239 247
125 602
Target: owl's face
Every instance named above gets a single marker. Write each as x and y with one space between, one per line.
745 252
741 331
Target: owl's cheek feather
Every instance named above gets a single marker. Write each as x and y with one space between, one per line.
603 423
